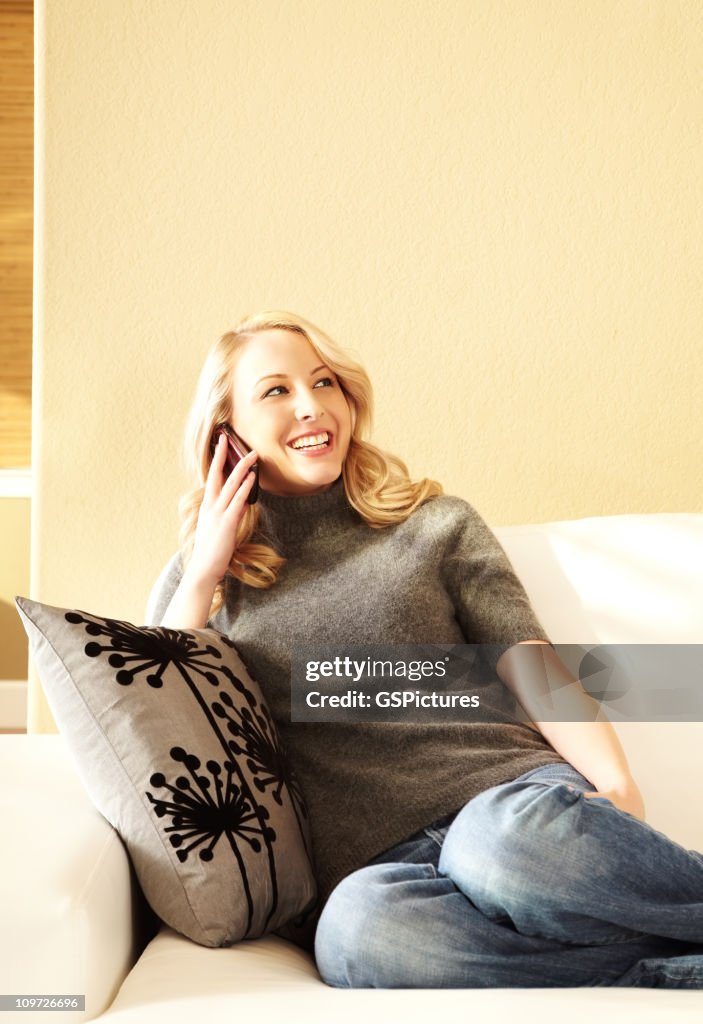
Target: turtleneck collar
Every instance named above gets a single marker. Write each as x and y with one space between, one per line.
303 516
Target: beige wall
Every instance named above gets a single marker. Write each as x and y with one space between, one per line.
496 205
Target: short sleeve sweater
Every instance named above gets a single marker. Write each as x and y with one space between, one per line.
440 577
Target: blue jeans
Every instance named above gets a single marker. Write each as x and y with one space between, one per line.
530 885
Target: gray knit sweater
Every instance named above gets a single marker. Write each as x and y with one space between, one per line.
439 577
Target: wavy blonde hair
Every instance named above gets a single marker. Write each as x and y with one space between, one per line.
377 484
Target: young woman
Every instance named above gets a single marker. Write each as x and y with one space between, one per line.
447 855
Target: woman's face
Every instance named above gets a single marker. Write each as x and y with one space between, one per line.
289 407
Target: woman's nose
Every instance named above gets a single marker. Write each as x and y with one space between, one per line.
308 407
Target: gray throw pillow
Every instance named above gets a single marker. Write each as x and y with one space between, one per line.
177 749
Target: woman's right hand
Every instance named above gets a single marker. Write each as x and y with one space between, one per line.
224 503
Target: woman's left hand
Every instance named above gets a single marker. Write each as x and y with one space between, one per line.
627 797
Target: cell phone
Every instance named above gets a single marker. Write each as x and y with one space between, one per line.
236 450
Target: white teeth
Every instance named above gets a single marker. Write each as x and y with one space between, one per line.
311 440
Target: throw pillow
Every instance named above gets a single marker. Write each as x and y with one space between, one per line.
177 749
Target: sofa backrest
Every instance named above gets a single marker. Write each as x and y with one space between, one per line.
629 579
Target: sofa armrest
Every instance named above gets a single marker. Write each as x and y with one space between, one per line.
70 905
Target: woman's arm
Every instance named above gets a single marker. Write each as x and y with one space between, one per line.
591 745
189 607
223 505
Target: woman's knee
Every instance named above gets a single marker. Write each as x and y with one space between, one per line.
510 839
342 921
364 923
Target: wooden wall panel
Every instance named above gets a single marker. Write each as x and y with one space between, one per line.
16 219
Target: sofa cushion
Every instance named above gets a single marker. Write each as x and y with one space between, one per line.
177 749
627 579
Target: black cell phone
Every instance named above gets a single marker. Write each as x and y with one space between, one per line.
236 450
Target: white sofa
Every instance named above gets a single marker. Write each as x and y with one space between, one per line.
73 921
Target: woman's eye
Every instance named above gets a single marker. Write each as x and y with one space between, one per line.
281 389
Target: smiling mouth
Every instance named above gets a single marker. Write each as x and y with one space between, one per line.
312 442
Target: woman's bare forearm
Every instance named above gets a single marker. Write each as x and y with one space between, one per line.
221 510
538 678
189 607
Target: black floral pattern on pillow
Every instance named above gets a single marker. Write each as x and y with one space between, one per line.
222 802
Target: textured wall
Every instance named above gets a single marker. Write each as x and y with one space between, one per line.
496 204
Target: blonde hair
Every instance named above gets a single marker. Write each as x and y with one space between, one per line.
377 484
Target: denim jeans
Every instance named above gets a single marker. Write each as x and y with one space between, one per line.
529 885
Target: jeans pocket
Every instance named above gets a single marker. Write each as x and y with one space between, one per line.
553 774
